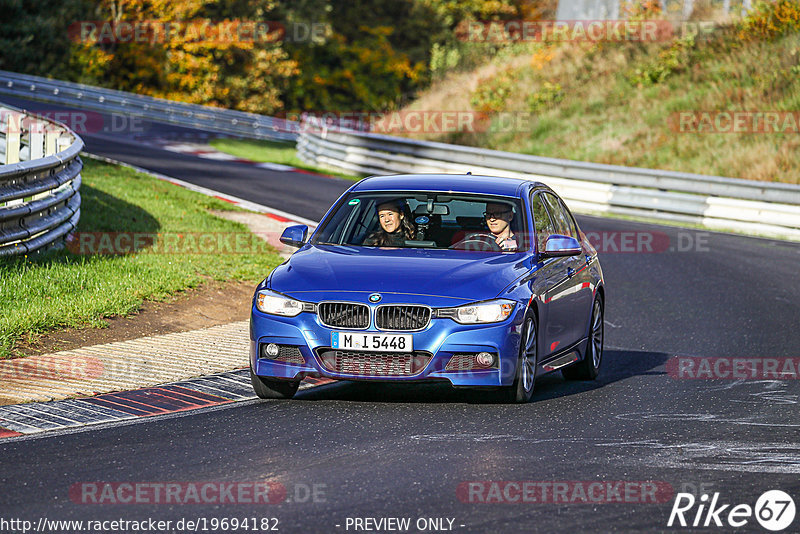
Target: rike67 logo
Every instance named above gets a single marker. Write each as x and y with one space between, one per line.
774 510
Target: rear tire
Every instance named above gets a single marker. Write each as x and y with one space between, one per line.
266 388
589 367
521 390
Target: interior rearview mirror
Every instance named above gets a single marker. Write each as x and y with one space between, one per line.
436 209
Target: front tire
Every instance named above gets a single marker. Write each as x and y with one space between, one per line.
273 389
521 390
589 367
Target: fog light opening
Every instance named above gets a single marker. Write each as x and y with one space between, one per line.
484 359
271 350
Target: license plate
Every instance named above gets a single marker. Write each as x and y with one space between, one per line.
372 342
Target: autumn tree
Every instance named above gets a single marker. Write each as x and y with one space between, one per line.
194 51
373 55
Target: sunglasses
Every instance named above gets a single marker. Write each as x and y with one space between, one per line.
494 214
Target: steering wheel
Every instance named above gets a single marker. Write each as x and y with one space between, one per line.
482 241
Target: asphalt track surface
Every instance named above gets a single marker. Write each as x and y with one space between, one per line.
404 451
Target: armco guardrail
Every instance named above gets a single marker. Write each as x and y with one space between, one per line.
752 207
205 118
717 202
39 198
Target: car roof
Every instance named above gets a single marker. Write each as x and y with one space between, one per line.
456 183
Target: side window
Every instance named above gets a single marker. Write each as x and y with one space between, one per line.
355 223
561 220
541 220
364 222
570 220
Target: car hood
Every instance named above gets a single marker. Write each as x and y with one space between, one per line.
450 277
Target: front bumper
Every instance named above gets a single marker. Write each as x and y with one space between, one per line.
442 338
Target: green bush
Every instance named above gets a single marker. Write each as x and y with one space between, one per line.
548 95
673 59
492 93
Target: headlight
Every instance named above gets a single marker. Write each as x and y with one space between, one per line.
491 311
277 304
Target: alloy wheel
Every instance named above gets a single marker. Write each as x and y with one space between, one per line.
529 356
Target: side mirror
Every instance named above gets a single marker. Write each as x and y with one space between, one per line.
561 245
294 236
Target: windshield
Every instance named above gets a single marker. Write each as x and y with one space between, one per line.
478 223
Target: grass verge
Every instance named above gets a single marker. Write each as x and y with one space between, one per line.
271 152
67 288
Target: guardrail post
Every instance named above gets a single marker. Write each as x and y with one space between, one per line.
13 127
50 137
63 143
36 139
36 132
13 135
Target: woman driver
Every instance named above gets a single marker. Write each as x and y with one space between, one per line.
396 226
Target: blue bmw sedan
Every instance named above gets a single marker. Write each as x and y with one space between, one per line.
479 281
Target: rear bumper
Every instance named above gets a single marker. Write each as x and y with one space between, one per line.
443 338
